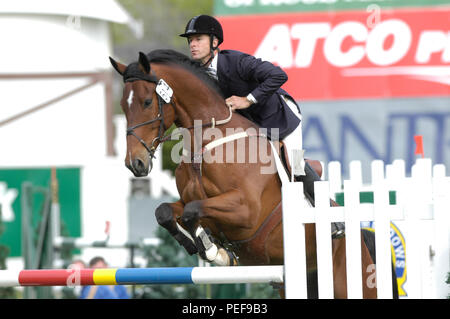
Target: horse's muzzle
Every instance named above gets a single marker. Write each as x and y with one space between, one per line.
139 168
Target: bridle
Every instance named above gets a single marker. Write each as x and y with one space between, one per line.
164 94
162 100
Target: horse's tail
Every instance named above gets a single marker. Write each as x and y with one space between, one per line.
369 240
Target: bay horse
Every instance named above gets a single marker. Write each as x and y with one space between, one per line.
229 212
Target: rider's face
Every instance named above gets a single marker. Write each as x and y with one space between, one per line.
199 46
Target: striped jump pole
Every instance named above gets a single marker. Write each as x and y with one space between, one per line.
142 276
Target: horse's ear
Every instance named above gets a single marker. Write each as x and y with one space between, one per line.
119 67
143 62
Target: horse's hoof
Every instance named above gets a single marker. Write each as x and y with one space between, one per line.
164 217
191 214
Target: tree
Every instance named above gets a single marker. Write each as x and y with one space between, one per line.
162 21
169 254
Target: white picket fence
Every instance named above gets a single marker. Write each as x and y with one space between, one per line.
421 212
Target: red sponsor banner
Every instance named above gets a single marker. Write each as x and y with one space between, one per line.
352 54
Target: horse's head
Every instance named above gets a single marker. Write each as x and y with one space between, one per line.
144 111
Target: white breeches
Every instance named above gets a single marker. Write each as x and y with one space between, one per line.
294 141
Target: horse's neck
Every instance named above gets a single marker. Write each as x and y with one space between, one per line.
213 116
197 104
197 114
204 109
194 100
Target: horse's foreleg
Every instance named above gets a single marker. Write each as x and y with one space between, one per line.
210 251
166 214
229 209
226 209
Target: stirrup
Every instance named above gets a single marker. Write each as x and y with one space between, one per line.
337 230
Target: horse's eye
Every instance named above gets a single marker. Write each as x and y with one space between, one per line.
147 102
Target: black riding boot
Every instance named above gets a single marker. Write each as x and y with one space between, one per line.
337 228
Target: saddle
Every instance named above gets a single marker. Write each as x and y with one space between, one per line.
313 169
313 172
257 242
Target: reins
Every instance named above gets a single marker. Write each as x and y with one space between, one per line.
164 94
130 130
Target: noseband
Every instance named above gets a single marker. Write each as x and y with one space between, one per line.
164 94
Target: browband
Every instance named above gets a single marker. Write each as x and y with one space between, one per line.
133 73
136 77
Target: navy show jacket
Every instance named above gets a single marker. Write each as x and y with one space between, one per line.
240 74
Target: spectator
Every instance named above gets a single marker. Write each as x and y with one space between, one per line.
77 264
75 289
103 292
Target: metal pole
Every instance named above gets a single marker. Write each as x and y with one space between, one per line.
27 231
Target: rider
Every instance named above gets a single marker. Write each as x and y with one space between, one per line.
252 87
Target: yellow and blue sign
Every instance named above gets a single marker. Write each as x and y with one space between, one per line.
398 249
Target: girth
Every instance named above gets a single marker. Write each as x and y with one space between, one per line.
256 245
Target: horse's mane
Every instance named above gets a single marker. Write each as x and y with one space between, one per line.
167 56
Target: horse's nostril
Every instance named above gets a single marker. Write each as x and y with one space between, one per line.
139 165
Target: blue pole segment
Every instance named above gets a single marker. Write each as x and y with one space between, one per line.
133 276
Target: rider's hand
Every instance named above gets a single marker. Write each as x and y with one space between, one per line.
238 102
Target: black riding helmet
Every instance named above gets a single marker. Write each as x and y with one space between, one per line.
204 24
